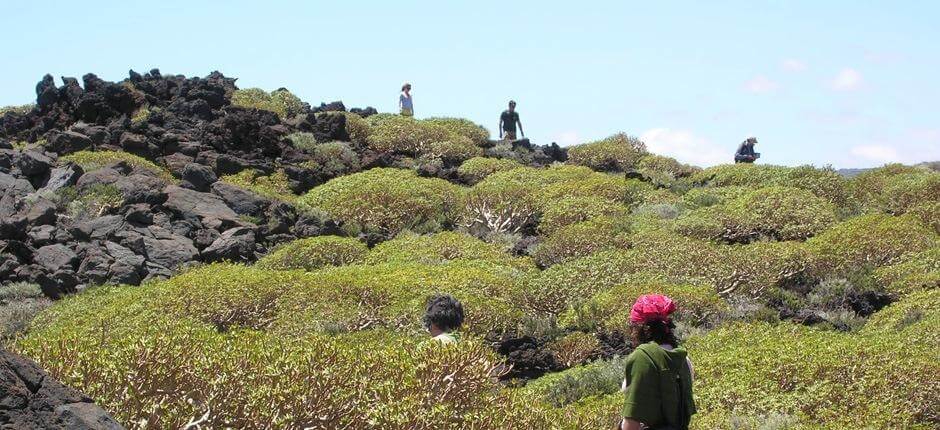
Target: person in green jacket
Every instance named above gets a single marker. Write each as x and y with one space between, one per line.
658 376
443 317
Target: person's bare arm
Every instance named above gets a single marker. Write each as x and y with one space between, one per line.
519 121
629 424
500 127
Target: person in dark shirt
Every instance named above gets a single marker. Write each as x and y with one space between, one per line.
508 121
745 152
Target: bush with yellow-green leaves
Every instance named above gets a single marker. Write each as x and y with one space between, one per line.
895 188
920 271
612 154
93 160
440 248
870 241
583 239
574 209
407 135
511 200
477 168
314 253
282 102
275 186
825 183
777 212
386 200
455 150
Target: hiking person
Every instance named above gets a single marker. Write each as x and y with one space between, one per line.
745 152
404 101
442 317
507 122
658 383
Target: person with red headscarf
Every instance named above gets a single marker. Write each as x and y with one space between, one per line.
658 376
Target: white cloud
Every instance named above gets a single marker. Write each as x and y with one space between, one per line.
761 84
686 147
848 79
794 65
567 138
877 153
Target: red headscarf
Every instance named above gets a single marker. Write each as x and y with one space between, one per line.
652 307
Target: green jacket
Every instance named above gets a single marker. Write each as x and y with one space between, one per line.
659 383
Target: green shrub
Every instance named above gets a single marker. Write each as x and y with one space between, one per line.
275 186
454 150
575 348
461 127
569 386
477 168
915 317
401 134
653 163
19 304
787 369
870 241
825 183
704 197
697 303
670 255
143 114
314 253
761 268
385 200
893 188
282 102
777 212
583 239
332 159
613 154
927 212
574 209
441 248
94 160
504 202
90 202
303 141
920 271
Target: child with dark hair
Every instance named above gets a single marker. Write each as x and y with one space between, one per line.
442 317
658 383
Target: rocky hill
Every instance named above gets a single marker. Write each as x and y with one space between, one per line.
109 182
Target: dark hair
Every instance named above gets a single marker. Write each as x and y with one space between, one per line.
656 331
444 311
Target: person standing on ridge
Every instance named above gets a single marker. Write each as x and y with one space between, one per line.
404 101
745 152
508 121
443 316
658 376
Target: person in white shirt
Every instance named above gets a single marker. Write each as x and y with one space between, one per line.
404 101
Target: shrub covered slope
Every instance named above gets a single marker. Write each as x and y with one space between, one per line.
245 260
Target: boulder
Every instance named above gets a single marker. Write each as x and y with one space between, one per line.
237 244
55 257
98 228
198 177
176 162
31 399
209 209
41 212
242 201
169 251
61 177
68 142
34 163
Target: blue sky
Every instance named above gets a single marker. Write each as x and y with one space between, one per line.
847 83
